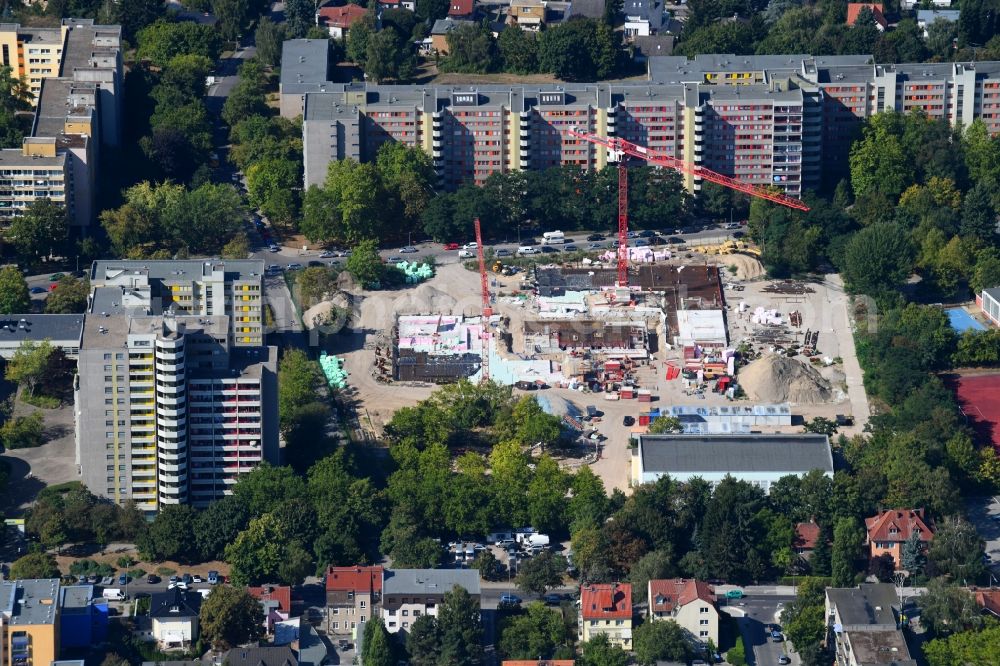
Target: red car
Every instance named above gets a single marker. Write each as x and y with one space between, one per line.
451 246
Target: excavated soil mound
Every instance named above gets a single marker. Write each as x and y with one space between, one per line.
776 378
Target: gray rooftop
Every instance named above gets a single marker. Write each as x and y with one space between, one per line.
446 25
75 597
305 61
38 327
32 601
175 603
869 604
13 158
175 269
429 581
588 8
54 105
930 15
735 453
261 656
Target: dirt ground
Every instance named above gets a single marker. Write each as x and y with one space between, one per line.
49 464
111 555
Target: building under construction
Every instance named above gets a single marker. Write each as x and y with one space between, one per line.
612 339
436 348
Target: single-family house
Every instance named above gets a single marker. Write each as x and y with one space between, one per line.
439 33
642 17
353 595
806 536
688 602
877 10
988 599
174 617
461 8
338 20
889 530
276 601
606 608
409 593
926 17
650 46
862 628
261 656
527 14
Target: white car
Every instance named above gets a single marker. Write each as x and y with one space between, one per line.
471 246
466 254
524 251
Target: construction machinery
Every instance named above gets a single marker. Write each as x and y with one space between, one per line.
487 308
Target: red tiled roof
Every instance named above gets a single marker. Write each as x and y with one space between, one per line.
988 599
354 579
341 17
854 8
280 593
897 525
806 535
460 7
667 594
606 601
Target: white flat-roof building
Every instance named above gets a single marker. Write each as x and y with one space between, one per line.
706 328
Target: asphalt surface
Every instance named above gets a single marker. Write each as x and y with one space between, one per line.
984 514
757 613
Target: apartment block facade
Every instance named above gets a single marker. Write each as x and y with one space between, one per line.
74 73
29 622
176 396
785 121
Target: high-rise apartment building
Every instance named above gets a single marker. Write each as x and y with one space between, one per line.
74 73
786 121
176 395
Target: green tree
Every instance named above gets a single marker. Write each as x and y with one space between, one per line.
664 640
365 264
431 10
268 486
34 565
579 50
387 57
878 160
461 629
160 42
947 608
471 49
232 17
424 641
957 550
269 38
238 248
664 424
230 617
546 499
358 38
351 207
847 540
300 15
518 50
42 231
599 651
219 524
171 535
654 565
31 365
537 574
409 172
536 633
967 647
736 656
878 258
23 432
257 554
14 296
134 15
377 646
271 186
69 296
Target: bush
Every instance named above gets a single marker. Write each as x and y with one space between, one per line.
22 432
737 654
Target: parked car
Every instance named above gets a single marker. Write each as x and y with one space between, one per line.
553 599
646 233
570 248
776 636
187 579
642 242
632 234
327 254
38 290
273 248
409 249
174 579
314 263
395 260
525 251
595 237
509 599
197 579
465 254
548 249
213 577
628 421
471 246
55 277
595 246
783 659
179 585
152 579
502 253
451 246
294 267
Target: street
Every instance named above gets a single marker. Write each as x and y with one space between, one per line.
752 613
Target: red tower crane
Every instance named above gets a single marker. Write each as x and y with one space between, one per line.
622 222
623 147
487 308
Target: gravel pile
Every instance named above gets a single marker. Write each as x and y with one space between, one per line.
776 378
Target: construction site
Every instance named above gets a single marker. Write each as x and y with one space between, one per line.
614 341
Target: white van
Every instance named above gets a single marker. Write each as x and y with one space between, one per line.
553 238
113 594
525 250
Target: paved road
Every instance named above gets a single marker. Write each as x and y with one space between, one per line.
752 614
984 513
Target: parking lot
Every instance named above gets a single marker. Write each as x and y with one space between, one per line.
984 513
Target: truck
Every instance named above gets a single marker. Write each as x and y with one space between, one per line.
537 541
553 238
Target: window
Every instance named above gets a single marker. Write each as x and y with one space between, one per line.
703 609
336 611
336 625
406 624
392 612
703 623
362 618
392 624
702 634
405 613
363 603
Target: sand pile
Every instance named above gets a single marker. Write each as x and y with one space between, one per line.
379 310
776 378
747 267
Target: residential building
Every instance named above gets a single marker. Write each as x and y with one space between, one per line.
409 5
786 121
606 608
889 530
651 46
62 331
193 328
275 601
174 617
338 20
759 459
854 11
83 617
989 303
74 73
925 17
688 602
409 593
913 4
988 599
261 656
29 622
461 9
527 14
352 593
862 628
806 537
440 30
642 18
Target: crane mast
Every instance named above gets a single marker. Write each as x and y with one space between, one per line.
487 308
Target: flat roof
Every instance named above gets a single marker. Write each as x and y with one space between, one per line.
38 327
736 454
305 61
867 604
75 596
35 601
429 581
13 158
176 269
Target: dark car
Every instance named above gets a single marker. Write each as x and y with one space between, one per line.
595 237
315 263
784 660
646 233
776 636
570 248
548 249
508 599
642 242
123 579
152 579
502 253
187 579
628 421
553 599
